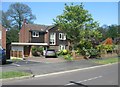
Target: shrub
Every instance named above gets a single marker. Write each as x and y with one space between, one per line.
108 41
34 49
63 52
37 51
40 49
92 53
59 53
68 57
108 47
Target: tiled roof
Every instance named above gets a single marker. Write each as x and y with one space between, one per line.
37 27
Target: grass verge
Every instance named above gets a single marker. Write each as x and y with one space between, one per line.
13 74
15 59
107 61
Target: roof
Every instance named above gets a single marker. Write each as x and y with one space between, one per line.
38 27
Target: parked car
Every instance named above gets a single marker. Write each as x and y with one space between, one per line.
2 56
50 53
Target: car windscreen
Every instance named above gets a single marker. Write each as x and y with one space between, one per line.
50 52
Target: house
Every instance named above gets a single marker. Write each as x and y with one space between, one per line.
2 37
38 35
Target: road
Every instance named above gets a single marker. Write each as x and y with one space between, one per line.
38 68
105 75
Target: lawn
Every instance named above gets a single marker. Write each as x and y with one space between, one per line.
107 60
13 74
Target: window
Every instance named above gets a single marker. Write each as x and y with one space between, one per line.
0 34
62 47
52 38
35 34
62 36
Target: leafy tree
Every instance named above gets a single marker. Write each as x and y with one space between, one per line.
103 30
12 35
112 31
17 12
77 23
108 41
12 19
4 20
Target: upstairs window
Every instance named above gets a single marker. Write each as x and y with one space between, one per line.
52 38
35 34
62 36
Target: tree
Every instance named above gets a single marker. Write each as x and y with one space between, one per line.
76 22
4 20
12 35
103 30
12 20
112 31
17 12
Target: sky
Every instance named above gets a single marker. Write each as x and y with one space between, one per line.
106 13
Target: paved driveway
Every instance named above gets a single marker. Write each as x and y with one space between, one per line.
46 60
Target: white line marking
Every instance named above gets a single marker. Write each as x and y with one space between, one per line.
16 64
86 80
62 72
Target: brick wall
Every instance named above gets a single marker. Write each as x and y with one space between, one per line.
3 37
24 34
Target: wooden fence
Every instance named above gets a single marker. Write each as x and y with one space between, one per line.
16 54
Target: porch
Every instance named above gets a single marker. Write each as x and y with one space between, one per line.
22 50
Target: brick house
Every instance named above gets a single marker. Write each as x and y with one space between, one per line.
39 35
2 37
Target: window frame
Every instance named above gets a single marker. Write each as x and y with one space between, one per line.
52 39
36 34
62 47
62 36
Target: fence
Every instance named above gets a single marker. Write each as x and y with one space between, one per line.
16 54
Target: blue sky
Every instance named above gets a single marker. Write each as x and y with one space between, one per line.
103 12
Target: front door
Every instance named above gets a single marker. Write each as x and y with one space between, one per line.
27 51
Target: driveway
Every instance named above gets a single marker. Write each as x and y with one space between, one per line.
46 60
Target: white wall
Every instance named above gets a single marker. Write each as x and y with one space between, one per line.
17 48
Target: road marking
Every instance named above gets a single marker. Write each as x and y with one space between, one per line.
62 72
15 64
85 80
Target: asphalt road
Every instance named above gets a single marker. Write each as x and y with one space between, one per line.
38 68
106 75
